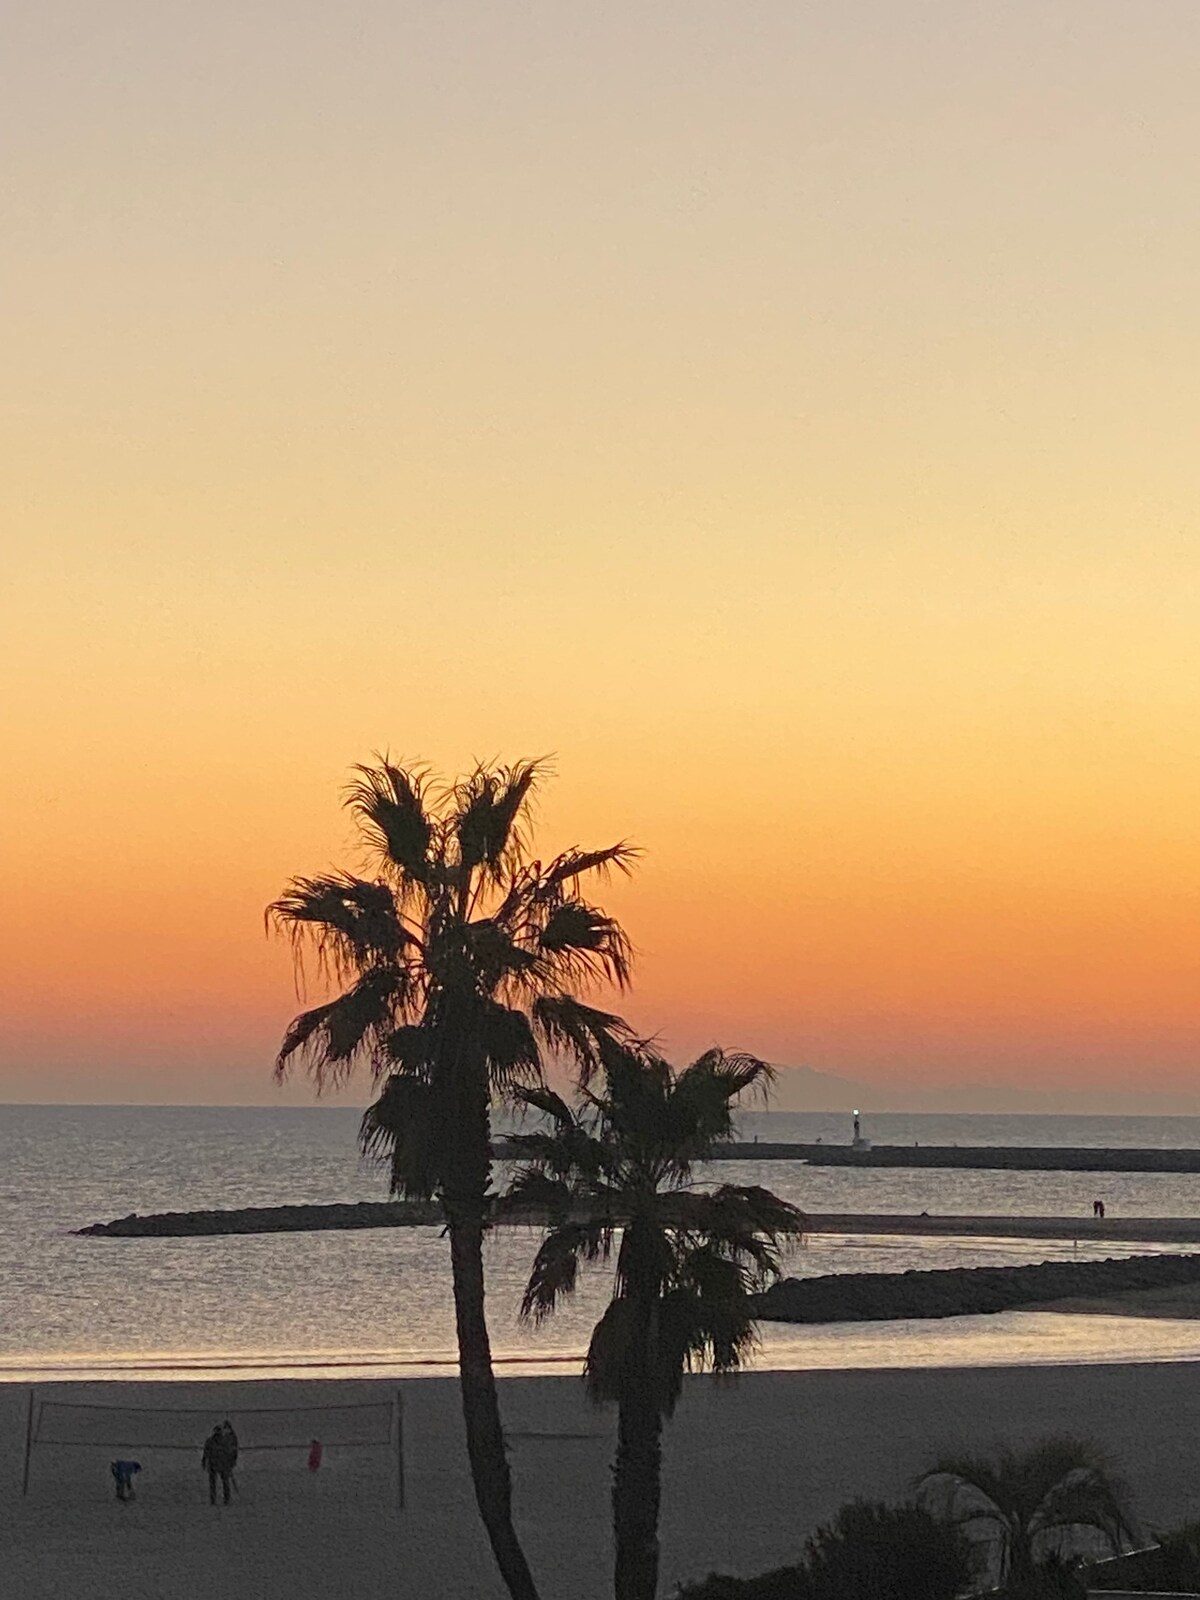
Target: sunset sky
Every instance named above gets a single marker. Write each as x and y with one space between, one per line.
783 414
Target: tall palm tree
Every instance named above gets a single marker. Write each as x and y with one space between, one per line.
616 1174
1027 1506
460 963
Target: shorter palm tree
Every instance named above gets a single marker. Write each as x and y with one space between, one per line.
1027 1507
616 1175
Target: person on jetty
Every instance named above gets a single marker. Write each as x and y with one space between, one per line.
1098 1209
218 1461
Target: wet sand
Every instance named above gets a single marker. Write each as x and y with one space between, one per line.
1177 1302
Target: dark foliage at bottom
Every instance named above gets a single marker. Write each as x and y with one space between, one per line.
869 1551
1171 1568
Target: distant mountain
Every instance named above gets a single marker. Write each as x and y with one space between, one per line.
806 1089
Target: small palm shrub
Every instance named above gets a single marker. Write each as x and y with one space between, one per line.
1025 1507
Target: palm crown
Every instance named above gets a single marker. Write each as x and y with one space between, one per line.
461 961
616 1176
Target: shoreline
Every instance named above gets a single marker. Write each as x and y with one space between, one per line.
1026 1338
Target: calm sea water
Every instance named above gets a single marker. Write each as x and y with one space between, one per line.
380 1301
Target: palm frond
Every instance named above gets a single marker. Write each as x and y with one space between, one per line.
388 801
567 869
1041 1469
1087 1498
348 921
635 1111
331 1038
541 1098
411 1049
532 1190
587 945
507 1039
714 1274
708 1323
744 1217
567 1148
740 1073
556 1266
488 809
404 1131
496 958
699 1105
612 1351
591 1038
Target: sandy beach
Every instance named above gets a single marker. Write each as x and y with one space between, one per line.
750 1467
1179 1302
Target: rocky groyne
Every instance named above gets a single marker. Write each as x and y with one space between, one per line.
415 1214
966 1291
270 1219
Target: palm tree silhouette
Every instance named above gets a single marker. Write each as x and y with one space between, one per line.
460 962
616 1174
1027 1506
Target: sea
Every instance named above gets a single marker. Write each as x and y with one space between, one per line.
377 1302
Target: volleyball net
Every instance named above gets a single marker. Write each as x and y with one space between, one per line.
341 1428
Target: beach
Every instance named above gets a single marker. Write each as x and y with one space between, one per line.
226 1325
751 1465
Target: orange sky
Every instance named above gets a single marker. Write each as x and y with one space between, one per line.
785 415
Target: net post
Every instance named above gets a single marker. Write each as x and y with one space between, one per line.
398 1406
28 1442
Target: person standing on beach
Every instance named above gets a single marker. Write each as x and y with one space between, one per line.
123 1472
217 1460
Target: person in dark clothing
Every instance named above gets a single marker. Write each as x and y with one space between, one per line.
217 1461
231 1443
123 1472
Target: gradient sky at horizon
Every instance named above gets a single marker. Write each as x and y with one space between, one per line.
784 414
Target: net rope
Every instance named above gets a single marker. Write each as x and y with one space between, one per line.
80 1423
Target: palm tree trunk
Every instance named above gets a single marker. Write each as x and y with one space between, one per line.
636 1494
481 1407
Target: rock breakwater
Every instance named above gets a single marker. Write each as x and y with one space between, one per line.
966 1291
270 1219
